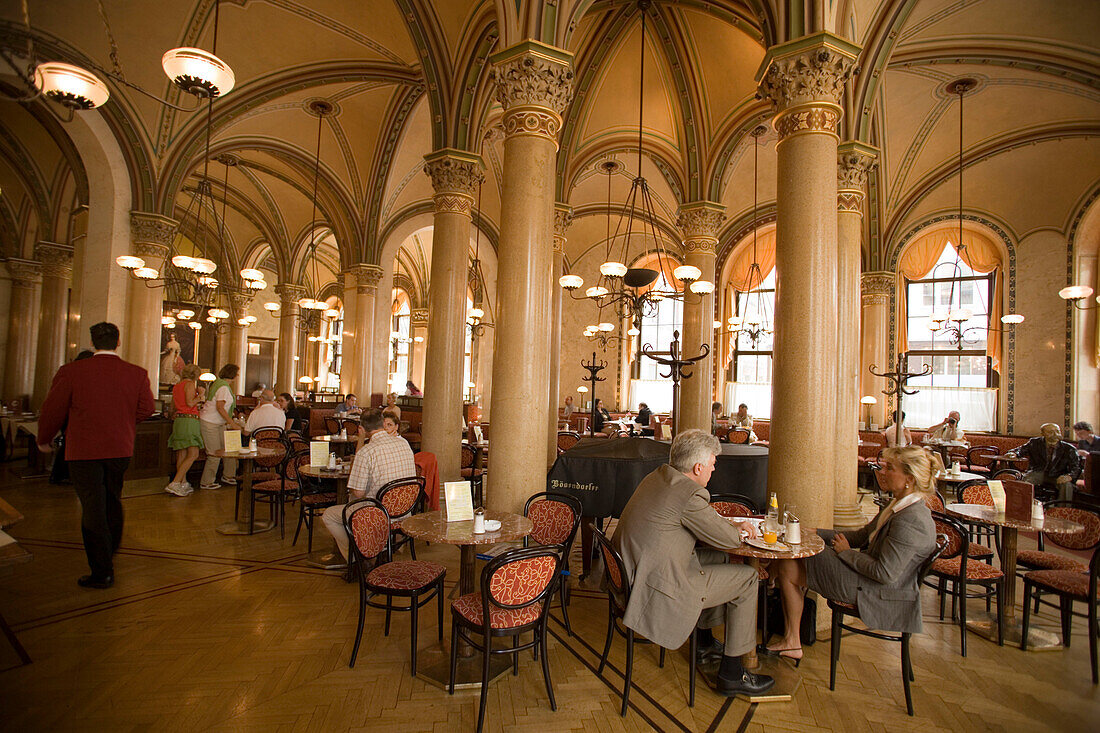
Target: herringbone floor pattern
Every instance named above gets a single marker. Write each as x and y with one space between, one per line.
206 632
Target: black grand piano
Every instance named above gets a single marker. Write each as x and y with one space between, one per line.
603 473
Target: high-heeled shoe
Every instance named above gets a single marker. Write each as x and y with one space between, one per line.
763 650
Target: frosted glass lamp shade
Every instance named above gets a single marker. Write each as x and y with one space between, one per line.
198 72
70 86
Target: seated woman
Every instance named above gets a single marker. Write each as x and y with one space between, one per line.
891 432
880 577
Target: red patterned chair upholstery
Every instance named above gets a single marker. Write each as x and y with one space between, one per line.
1070 586
1087 539
514 598
982 446
733 505
469 470
739 436
555 519
952 567
617 584
368 527
763 430
935 502
402 497
566 440
840 610
268 468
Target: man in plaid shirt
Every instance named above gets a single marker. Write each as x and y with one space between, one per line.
382 459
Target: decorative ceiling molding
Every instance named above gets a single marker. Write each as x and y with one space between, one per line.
1002 51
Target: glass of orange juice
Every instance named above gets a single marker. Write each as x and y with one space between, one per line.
769 536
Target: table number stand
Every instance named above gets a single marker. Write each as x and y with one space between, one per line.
593 368
676 364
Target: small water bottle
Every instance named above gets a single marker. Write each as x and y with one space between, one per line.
253 446
332 461
479 521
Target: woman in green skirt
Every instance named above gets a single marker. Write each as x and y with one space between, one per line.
186 438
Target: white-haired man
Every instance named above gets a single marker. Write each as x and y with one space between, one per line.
676 587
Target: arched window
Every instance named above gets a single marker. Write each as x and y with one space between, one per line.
646 384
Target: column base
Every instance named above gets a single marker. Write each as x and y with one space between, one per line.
848 516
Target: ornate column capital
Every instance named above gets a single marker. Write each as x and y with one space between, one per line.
24 273
290 294
239 301
56 259
366 278
151 234
455 176
699 222
534 84
855 160
563 217
419 317
805 79
877 287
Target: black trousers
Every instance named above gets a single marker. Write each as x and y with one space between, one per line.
98 485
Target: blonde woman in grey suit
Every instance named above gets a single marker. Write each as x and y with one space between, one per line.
874 567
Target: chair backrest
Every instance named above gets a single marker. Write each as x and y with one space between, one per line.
1084 514
977 494
268 433
555 519
469 455
351 426
934 501
402 496
958 542
519 578
296 460
275 459
733 505
566 440
297 443
977 455
368 526
1009 473
738 435
614 569
332 424
620 434
942 541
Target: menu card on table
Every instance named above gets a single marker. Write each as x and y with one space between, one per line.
318 454
997 491
1019 496
232 441
460 503
478 434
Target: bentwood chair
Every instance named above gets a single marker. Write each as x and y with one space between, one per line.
469 470
840 610
952 567
313 500
368 526
332 424
555 519
566 440
934 502
402 497
274 492
265 469
978 493
618 586
733 505
1087 539
1070 586
516 588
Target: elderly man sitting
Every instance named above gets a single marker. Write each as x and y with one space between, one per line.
266 415
677 587
1052 462
947 431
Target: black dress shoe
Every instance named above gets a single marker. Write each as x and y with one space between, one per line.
748 684
710 653
91 581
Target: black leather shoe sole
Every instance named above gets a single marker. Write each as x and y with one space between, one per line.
90 581
749 684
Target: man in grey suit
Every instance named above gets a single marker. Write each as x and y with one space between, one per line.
677 587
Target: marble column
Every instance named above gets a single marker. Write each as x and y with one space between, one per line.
150 238
378 356
876 288
26 293
534 84
237 352
5 317
366 302
699 222
351 361
563 217
419 323
57 275
455 176
805 78
854 161
286 379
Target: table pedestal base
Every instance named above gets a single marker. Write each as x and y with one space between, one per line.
434 667
241 527
787 679
1038 640
330 559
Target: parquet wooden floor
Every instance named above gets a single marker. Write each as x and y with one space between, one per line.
207 632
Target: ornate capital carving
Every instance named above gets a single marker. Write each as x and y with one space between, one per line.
533 121
453 203
807 70
563 217
855 161
700 219
849 202
239 301
290 294
56 259
367 278
149 228
532 74
454 172
877 287
24 274
420 317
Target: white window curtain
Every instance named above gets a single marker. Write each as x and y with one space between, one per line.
757 395
657 393
976 405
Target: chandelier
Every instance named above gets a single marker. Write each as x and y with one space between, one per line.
200 74
475 316
626 290
311 309
753 324
952 324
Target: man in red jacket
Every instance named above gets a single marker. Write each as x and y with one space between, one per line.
99 401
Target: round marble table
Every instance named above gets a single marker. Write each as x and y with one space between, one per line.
811 545
241 523
953 480
1009 530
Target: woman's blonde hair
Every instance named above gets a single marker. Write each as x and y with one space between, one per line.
915 462
191 371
